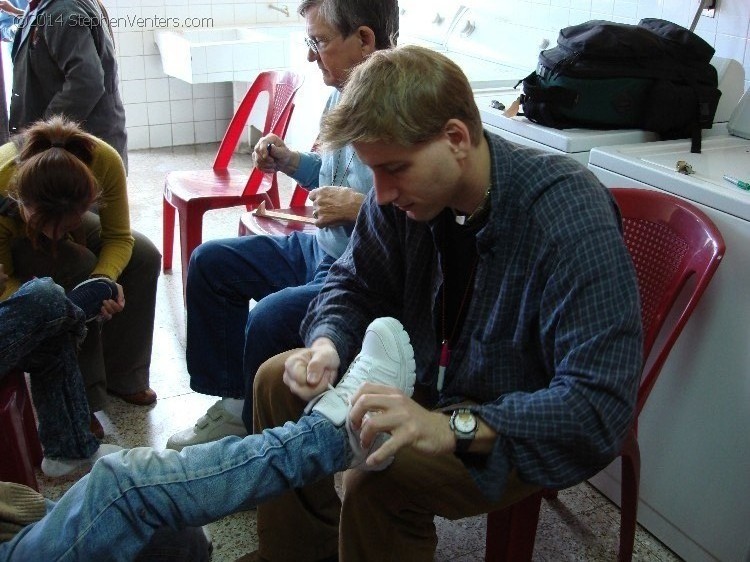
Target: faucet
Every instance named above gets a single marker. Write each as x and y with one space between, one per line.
283 9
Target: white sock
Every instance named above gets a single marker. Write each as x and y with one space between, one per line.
233 406
55 468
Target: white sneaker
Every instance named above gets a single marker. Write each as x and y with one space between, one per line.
214 425
386 358
55 468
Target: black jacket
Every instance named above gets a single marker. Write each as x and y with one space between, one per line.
64 63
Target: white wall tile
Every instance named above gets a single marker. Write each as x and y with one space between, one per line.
204 109
133 91
205 131
149 45
580 5
730 47
181 111
152 66
224 108
162 102
201 91
158 113
157 89
225 76
603 8
131 68
130 43
733 18
223 89
625 9
221 127
222 14
218 58
138 137
136 114
183 133
160 135
179 89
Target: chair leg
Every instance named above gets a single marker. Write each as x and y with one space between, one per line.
631 471
511 532
31 433
167 215
191 236
19 441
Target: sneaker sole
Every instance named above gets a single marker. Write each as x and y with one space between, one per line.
403 342
89 295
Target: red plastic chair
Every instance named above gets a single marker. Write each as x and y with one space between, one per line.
252 224
19 440
194 192
674 247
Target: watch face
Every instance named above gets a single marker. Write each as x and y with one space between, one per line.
465 422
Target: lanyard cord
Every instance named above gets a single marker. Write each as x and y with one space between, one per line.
445 351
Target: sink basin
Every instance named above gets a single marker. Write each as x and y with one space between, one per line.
228 54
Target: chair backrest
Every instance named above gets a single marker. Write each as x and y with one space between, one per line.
281 88
674 247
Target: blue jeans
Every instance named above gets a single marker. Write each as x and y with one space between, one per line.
111 513
225 343
40 330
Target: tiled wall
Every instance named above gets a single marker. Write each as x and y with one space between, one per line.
728 32
164 111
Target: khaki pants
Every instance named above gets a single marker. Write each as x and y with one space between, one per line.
115 355
384 515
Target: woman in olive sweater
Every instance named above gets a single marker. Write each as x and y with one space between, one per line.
51 176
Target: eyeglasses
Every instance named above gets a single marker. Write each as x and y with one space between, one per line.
317 44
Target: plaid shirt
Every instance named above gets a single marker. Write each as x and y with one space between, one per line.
551 347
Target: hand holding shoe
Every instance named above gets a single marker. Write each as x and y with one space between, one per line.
113 306
309 372
378 409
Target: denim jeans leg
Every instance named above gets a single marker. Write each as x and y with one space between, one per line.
128 495
39 333
223 276
273 328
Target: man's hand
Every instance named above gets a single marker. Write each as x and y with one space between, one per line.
8 8
308 372
111 307
377 408
334 205
271 154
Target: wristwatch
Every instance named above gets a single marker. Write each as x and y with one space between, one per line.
464 425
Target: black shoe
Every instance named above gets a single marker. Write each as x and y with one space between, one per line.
89 295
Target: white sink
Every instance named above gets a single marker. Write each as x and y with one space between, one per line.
229 54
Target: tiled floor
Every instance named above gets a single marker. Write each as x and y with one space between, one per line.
580 525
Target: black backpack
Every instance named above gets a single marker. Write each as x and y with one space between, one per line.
654 76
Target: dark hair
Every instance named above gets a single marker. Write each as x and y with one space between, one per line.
53 174
348 15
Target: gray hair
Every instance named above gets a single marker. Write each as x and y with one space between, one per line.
348 15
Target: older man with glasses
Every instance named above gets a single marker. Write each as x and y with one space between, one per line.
225 343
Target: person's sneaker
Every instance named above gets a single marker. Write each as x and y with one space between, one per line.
55 468
212 426
386 358
89 295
